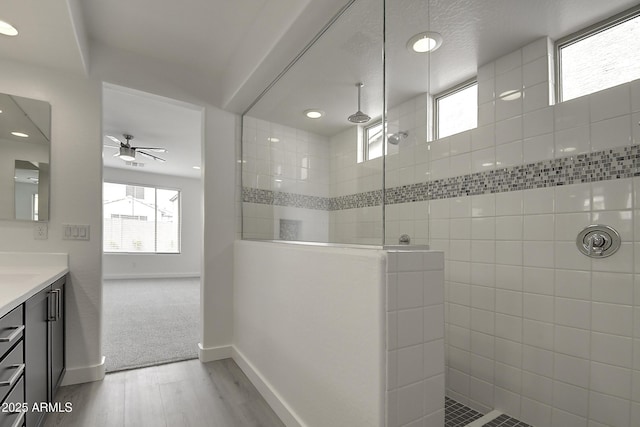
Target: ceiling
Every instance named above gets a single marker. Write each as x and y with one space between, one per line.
153 121
237 47
474 34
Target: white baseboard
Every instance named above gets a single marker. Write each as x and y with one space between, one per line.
85 374
210 354
280 407
151 276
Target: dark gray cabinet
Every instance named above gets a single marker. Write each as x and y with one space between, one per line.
44 347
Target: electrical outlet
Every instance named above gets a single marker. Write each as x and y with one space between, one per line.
40 231
75 231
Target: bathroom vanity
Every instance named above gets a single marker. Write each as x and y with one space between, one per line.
31 335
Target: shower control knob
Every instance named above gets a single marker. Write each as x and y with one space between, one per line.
598 241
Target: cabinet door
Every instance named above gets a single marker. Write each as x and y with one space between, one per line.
57 337
37 311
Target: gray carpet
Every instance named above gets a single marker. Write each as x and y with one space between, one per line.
150 321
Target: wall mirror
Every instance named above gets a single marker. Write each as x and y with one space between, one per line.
25 147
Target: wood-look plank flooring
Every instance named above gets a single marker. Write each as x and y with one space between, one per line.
184 394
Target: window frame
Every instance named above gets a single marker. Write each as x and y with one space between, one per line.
451 91
155 187
365 140
583 34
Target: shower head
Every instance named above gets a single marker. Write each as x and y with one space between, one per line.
395 138
359 116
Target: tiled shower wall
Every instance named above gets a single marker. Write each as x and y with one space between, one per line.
286 160
533 327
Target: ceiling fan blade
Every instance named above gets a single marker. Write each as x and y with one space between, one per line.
156 149
160 159
114 139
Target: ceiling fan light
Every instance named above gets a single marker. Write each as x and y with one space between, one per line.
127 154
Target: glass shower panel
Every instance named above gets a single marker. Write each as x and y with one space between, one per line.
409 112
309 179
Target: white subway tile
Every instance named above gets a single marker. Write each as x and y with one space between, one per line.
507 401
538 149
483 228
460 207
509 327
410 403
573 312
433 287
487 71
460 164
509 302
509 105
508 82
508 155
538 334
569 225
573 284
622 262
510 130
486 90
535 413
612 318
483 136
535 50
483 251
410 365
460 143
439 170
482 321
483 297
572 141
480 391
611 380
572 370
435 419
433 391
572 341
572 113
538 280
509 277
568 257
433 260
609 103
570 398
483 205
482 368
635 128
433 322
392 330
458 336
635 95
616 288
609 410
410 327
439 208
433 358
460 272
508 377
509 227
536 97
460 250
461 227
612 349
538 201
458 359
508 352
537 360
539 227
538 307
564 419
483 160
614 194
392 408
538 122
410 287
486 113
508 62
536 72
509 252
573 198
538 254
611 133
509 203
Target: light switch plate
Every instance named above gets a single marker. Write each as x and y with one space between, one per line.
75 232
40 231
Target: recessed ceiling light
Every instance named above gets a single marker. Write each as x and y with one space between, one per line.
568 149
8 29
272 139
196 167
20 134
427 41
314 114
0 111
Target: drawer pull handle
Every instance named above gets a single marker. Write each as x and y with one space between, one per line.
16 375
15 334
19 420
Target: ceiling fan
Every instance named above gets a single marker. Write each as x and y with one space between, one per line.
127 152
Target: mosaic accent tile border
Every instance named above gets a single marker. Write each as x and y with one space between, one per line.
618 163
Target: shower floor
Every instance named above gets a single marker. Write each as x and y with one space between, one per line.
458 415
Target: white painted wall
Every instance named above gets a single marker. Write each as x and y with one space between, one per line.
184 264
309 330
76 176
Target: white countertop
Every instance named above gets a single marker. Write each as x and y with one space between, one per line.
23 275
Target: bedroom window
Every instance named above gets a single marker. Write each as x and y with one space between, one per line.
599 57
140 219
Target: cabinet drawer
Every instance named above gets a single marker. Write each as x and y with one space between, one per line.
11 330
14 401
11 370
